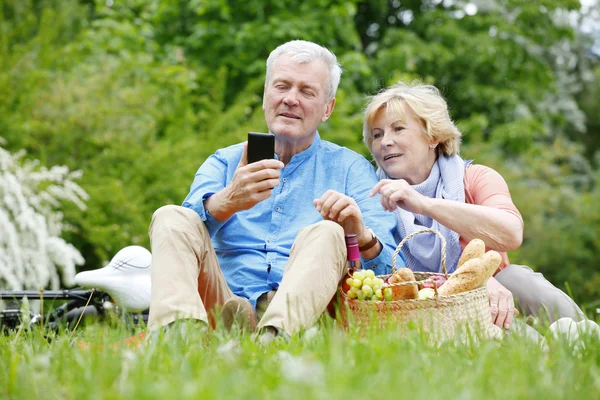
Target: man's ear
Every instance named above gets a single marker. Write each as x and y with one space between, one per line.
328 109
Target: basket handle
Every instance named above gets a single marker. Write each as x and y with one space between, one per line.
424 230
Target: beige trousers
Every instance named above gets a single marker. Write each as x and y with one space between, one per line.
187 281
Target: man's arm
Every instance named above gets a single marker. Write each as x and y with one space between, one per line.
212 193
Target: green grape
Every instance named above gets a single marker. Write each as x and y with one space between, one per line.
379 293
360 295
349 281
367 281
351 294
354 289
374 298
359 275
357 283
387 294
370 273
367 290
376 287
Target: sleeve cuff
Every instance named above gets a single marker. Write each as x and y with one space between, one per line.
382 264
211 223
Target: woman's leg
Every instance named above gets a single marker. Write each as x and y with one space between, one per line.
536 296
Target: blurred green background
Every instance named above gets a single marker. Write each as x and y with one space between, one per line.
137 93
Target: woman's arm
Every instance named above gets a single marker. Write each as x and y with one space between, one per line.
499 229
492 217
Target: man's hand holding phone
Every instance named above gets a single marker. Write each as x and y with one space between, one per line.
251 184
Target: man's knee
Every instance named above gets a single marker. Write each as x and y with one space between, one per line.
173 215
323 229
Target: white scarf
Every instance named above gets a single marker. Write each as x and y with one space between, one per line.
423 252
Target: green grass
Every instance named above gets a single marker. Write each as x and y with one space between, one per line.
324 363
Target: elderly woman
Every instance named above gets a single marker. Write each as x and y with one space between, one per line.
425 183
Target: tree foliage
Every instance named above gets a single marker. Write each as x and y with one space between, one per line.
137 93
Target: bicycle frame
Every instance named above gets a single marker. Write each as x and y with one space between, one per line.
81 302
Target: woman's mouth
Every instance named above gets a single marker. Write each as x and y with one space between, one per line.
390 156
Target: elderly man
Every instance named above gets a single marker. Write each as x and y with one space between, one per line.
271 233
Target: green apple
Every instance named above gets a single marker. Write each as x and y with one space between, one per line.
426 293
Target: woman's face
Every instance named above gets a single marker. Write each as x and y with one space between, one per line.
401 149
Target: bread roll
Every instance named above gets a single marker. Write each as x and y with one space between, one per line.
475 249
405 291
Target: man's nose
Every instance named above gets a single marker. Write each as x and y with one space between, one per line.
291 98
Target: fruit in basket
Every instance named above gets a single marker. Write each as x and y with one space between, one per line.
474 249
426 293
439 280
404 292
388 295
364 285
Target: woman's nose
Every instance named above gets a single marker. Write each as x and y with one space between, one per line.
386 140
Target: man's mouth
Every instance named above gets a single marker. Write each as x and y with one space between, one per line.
390 156
289 115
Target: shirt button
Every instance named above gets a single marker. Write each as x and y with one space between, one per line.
278 209
284 180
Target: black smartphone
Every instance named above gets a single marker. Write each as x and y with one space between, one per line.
260 146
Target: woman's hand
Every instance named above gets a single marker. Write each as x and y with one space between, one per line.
337 207
398 193
502 304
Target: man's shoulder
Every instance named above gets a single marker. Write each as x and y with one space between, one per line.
232 151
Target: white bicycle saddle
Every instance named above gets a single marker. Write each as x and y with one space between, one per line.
126 279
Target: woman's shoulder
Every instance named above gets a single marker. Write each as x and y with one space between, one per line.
479 171
481 178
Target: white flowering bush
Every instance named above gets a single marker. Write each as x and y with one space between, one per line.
32 253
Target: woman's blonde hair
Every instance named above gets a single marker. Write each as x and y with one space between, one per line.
427 104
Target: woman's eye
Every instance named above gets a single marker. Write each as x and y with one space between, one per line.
377 135
398 128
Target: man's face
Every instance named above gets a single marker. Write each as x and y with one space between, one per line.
295 100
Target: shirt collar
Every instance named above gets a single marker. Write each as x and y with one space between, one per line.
306 154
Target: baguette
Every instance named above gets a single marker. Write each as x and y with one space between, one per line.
468 277
491 261
404 292
475 249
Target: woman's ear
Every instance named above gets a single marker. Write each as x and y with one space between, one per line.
433 146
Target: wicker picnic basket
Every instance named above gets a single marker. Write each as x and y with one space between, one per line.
445 317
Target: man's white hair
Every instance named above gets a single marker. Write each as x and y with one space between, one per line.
304 52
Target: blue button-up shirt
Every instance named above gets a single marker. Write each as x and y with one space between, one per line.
253 246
